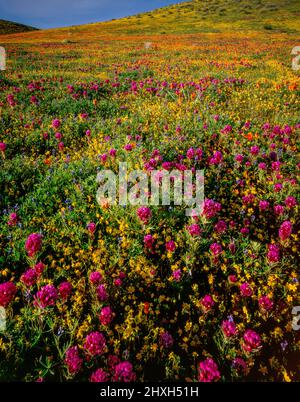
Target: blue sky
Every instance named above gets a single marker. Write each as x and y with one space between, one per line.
58 13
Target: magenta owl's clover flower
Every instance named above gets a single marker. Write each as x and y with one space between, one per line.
8 291
39 268
278 187
95 343
12 219
262 166
215 249
46 297
239 158
264 205
290 202
123 372
166 340
278 210
194 230
252 341
149 241
246 290
99 376
91 227
210 208
171 246
106 315
176 275
102 293
33 244
29 278
190 153
144 214
220 227
229 328
56 123
208 371
73 360
285 230
239 365
128 147
2 146
95 277
207 302
265 303
118 282
254 150
273 254
65 289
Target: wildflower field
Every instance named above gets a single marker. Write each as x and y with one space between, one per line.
111 293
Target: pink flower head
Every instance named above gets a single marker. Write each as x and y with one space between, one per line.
190 153
56 123
7 293
65 289
102 293
144 214
246 290
46 296
118 282
95 277
149 241
29 277
265 303
290 202
221 227
278 210
13 219
285 230
254 150
166 340
33 244
2 146
123 372
72 360
252 340
95 343
106 315
91 227
210 208
177 275
239 365
171 246
39 268
273 254
194 230
208 371
215 249
229 328
264 205
207 302
99 376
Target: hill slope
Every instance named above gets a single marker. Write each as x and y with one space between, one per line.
195 16
9 27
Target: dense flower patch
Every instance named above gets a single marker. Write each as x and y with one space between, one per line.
108 293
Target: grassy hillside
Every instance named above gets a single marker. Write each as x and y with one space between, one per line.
9 27
196 16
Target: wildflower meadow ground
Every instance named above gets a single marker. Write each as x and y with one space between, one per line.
106 292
